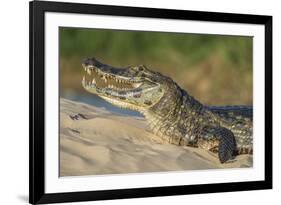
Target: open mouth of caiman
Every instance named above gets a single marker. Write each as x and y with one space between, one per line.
95 78
104 79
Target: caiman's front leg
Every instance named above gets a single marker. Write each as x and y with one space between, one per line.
218 139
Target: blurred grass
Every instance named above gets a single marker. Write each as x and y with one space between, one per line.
215 69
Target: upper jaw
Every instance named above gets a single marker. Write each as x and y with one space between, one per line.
91 64
107 72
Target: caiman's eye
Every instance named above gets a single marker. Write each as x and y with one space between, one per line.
139 68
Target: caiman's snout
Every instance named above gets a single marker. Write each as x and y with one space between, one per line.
105 78
125 87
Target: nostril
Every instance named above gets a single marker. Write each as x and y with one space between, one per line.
86 61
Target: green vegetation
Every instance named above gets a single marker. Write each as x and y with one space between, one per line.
216 69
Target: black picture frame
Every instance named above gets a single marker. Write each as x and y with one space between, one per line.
37 194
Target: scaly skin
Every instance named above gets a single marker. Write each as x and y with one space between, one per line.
171 112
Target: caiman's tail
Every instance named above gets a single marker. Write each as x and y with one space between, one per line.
242 110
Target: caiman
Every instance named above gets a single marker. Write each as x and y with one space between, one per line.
172 114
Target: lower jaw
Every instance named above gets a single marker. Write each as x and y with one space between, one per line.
122 104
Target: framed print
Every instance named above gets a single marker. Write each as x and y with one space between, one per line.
139 102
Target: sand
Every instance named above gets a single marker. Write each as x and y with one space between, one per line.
94 141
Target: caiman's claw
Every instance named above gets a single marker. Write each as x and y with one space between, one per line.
227 144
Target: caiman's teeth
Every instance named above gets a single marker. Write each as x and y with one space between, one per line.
89 71
104 80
